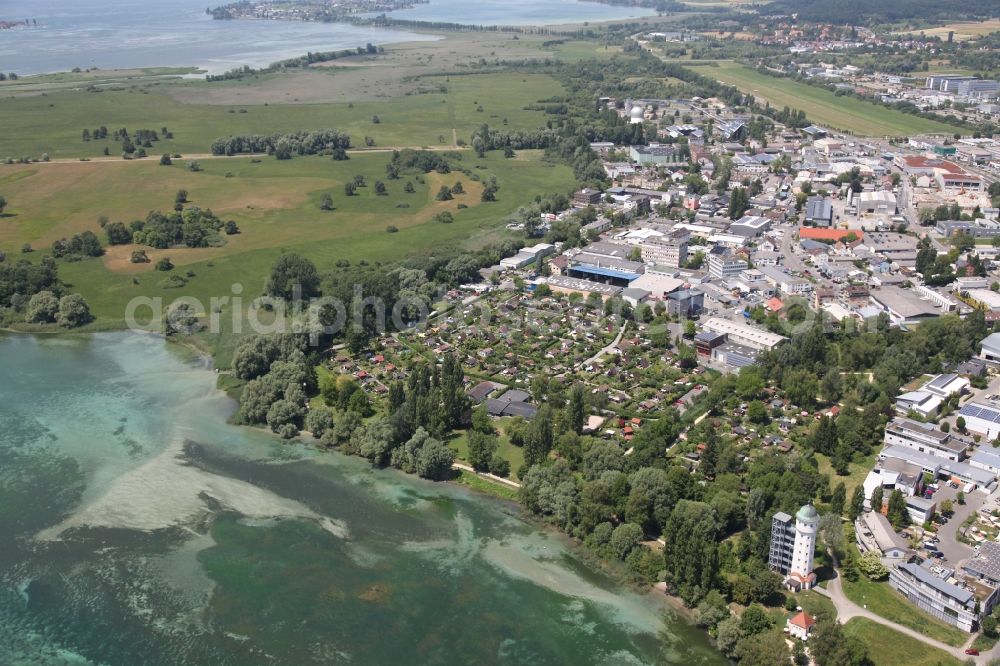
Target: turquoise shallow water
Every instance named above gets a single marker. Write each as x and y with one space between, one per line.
121 34
138 527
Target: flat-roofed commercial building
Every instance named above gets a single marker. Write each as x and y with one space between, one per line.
743 334
725 267
940 467
949 603
982 418
669 251
903 307
925 438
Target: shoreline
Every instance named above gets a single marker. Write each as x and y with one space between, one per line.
430 30
202 360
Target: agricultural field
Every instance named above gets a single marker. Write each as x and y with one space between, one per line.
276 205
964 30
886 645
822 106
53 123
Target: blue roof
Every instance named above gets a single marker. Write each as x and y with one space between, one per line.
980 412
606 272
987 457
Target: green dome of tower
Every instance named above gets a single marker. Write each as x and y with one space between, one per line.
807 514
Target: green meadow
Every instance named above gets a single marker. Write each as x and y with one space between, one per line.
276 205
821 105
886 646
53 123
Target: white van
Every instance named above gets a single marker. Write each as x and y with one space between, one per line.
969 487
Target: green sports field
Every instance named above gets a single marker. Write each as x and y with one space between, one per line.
822 106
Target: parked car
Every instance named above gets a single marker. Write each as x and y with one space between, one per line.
972 651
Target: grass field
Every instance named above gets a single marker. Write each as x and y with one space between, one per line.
53 123
512 454
887 647
964 30
857 471
822 106
276 206
882 600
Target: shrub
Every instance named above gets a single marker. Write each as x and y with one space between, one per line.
164 264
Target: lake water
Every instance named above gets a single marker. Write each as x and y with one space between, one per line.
122 34
138 527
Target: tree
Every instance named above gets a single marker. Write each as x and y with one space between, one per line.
754 620
457 188
857 503
350 189
947 507
739 202
3 204
326 202
42 308
831 531
691 553
727 635
550 491
870 564
482 447
318 421
292 275
73 311
165 159
829 646
444 194
877 499
960 424
408 188
989 626
576 410
435 460
838 498
118 234
763 649
625 537
757 412
749 383
897 512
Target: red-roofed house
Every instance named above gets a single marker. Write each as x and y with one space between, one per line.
774 304
800 625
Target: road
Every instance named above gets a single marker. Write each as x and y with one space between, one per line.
486 475
847 610
607 350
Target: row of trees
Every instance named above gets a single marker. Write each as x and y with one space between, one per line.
284 146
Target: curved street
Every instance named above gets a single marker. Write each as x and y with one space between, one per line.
847 610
